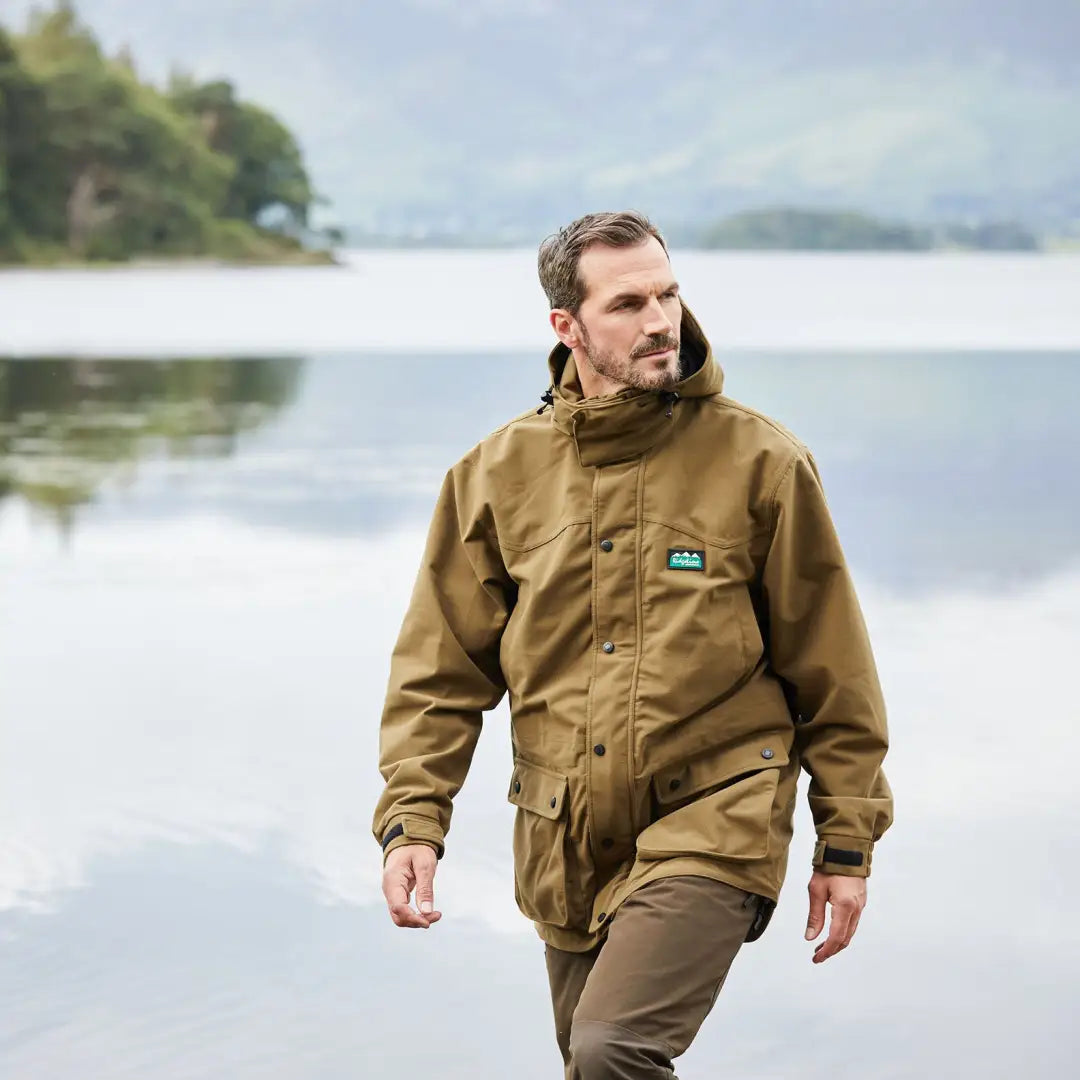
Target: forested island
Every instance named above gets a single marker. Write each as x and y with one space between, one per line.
97 164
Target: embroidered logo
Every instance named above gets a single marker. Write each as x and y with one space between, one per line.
681 559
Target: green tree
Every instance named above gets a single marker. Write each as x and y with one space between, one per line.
96 163
268 171
27 186
135 174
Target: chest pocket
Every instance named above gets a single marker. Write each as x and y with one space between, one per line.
551 620
700 634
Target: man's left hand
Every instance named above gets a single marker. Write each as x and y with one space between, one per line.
847 895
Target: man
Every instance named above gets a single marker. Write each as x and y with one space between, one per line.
651 571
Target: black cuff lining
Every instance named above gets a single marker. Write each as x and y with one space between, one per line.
393 834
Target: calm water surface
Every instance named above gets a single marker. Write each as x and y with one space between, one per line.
203 563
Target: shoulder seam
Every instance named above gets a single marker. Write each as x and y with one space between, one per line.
510 423
722 402
797 447
469 456
776 487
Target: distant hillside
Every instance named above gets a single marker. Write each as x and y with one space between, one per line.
821 230
506 118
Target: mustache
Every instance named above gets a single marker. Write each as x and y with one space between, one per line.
655 344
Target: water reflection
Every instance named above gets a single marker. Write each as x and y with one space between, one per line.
191 697
936 465
67 426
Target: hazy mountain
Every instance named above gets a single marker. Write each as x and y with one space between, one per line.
496 112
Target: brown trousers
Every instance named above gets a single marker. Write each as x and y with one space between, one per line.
624 1009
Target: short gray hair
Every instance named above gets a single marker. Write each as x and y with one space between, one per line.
561 252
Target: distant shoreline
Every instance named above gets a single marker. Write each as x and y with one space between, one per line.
1056 246
343 258
769 229
197 262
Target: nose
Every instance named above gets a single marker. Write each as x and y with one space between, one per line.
656 321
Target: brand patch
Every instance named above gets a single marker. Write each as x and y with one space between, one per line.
683 559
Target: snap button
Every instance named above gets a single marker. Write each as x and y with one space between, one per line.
766 753
517 787
606 545
608 647
607 843
554 801
602 916
675 784
598 749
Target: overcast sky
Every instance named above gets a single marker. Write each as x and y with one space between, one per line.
517 113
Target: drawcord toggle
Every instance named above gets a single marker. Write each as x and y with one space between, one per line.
548 398
669 396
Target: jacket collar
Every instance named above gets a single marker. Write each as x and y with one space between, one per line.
624 425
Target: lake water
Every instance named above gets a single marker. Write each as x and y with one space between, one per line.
204 559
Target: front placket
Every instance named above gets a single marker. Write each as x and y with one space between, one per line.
615 539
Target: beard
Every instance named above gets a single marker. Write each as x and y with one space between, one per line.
627 370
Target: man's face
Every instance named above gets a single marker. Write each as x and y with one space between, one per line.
629 321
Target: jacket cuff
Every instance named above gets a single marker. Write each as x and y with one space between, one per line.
843 855
413 830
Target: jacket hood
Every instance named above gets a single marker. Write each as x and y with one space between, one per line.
614 427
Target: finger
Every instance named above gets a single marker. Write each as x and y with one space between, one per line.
841 916
395 888
397 885
816 919
425 887
403 915
837 942
852 927
838 925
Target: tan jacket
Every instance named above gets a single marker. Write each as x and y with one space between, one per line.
657 583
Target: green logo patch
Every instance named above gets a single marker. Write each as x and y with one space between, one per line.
683 559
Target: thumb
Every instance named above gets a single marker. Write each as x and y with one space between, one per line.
816 919
425 885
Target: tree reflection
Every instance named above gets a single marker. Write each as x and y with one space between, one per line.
67 426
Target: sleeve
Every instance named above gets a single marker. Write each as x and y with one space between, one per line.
444 670
820 648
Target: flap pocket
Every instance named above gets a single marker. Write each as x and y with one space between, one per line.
717 768
532 787
729 823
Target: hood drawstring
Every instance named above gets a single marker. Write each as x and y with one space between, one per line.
548 398
670 397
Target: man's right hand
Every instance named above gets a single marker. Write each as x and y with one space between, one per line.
411 866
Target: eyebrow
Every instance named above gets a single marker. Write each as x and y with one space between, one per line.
619 298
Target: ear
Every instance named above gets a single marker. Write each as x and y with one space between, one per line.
566 328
